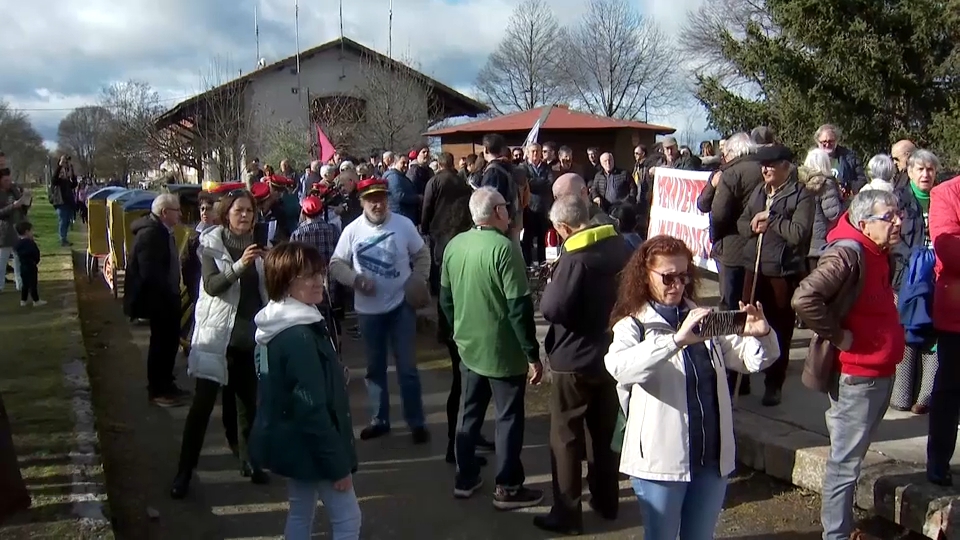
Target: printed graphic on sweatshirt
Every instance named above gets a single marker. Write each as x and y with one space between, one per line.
378 255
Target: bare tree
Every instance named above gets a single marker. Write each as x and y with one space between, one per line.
22 145
399 105
708 28
620 64
82 133
341 118
128 143
222 122
524 71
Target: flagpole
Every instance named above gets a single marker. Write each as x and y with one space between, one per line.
256 31
390 33
296 19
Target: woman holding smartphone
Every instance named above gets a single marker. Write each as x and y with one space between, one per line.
221 351
678 446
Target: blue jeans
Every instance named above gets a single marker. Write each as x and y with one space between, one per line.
857 405
689 509
508 396
342 507
64 217
397 331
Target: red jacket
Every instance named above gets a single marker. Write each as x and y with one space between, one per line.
878 338
945 235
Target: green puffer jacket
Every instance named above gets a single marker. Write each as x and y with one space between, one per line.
303 428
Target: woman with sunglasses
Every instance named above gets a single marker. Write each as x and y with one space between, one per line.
221 350
303 430
678 446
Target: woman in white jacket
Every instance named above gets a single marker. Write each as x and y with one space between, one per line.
678 446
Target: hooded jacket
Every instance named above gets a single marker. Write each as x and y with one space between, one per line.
303 428
827 209
579 298
740 178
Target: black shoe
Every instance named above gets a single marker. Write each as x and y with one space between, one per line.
373 431
464 489
485 445
518 498
553 525
259 477
942 480
181 486
420 435
771 398
608 516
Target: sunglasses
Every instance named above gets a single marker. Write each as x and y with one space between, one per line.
889 217
670 280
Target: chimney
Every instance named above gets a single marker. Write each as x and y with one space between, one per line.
562 105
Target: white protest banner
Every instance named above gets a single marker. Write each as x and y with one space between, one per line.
675 213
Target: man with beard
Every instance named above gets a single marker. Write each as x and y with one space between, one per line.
382 256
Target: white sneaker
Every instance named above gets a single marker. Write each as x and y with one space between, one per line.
40 303
23 303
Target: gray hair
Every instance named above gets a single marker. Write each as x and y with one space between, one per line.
738 145
483 204
863 205
164 201
880 167
327 170
819 161
923 157
570 210
387 156
824 128
762 135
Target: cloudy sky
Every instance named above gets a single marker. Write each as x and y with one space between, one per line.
59 53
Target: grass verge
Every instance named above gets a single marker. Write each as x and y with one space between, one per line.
37 343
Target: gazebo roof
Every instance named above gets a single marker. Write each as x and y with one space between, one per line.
560 117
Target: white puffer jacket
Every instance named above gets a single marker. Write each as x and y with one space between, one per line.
215 315
651 385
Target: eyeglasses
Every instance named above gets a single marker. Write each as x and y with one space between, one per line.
889 217
828 142
670 280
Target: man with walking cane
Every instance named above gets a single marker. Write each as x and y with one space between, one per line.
778 222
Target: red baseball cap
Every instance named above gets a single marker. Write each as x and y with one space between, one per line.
227 187
281 181
413 154
311 205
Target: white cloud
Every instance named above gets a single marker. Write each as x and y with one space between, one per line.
58 54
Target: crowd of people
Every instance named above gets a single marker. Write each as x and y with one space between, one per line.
863 256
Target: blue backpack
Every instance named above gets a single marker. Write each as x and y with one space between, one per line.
915 299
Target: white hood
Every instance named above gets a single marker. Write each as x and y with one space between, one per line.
278 316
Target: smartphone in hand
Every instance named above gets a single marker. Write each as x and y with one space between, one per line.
722 323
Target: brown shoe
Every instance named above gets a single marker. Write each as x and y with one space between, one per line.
919 408
167 402
860 535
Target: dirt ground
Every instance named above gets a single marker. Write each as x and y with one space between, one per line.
405 491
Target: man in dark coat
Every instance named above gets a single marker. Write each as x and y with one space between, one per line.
152 291
577 303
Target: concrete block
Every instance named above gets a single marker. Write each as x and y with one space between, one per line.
752 432
809 466
780 453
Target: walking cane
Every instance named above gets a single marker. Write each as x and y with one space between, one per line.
753 291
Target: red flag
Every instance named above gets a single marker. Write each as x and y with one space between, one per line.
325 148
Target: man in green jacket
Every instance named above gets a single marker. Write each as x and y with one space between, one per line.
484 291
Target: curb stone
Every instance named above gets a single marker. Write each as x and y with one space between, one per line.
893 490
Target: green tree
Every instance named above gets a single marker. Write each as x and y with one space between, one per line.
880 70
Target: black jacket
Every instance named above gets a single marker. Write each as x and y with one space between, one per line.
446 210
499 175
738 182
578 300
790 227
541 186
613 187
148 290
